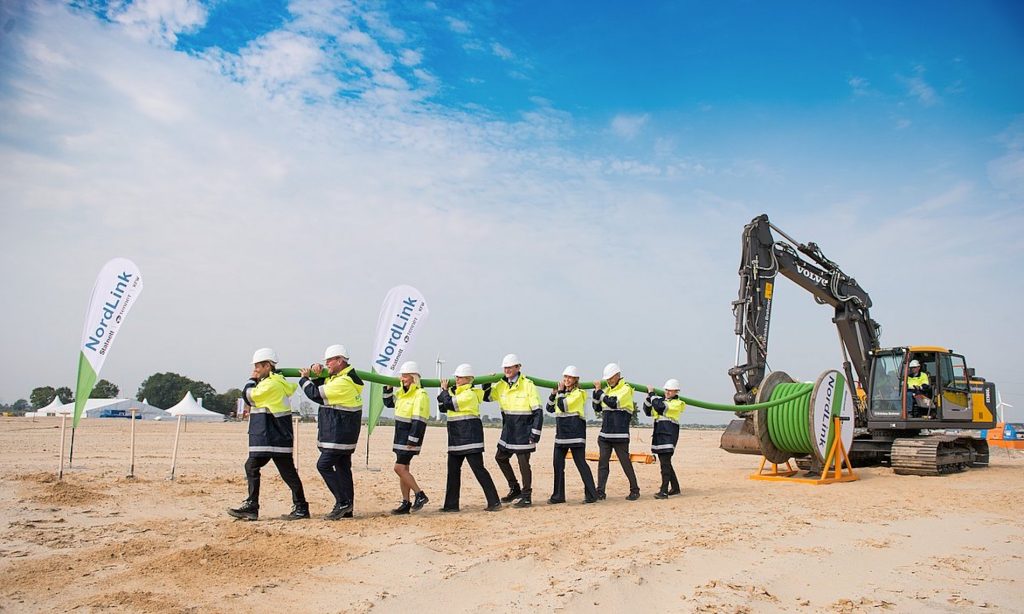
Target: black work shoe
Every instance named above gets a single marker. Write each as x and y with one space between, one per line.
340 510
299 512
402 509
420 500
661 494
633 496
513 494
450 509
554 501
247 511
493 507
601 496
673 492
524 501
590 500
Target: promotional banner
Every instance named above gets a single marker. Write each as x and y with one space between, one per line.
401 317
117 288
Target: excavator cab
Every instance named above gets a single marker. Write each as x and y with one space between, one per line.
944 402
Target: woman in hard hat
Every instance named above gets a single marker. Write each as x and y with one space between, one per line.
270 435
615 405
465 438
412 410
665 410
568 403
338 391
521 422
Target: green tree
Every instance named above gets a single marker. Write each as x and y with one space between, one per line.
104 390
223 403
64 394
163 390
42 396
20 406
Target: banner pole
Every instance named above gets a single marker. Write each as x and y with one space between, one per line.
71 457
131 467
174 454
63 426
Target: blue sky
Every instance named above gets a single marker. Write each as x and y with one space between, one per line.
563 180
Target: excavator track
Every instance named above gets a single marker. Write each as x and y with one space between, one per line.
937 454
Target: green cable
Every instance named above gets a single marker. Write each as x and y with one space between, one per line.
384 380
787 420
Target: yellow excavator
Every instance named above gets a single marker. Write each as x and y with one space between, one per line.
921 420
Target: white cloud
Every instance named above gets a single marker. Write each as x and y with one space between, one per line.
502 51
457 25
410 57
955 195
859 85
158 20
920 89
628 126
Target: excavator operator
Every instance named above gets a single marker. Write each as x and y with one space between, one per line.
919 391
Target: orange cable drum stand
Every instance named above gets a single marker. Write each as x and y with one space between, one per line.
837 465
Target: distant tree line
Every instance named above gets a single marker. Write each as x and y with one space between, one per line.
161 390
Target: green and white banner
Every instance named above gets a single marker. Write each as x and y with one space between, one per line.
401 317
117 288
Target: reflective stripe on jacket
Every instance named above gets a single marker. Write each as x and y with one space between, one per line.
615 406
338 424
569 408
270 419
465 430
412 410
521 416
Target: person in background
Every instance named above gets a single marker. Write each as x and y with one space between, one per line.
338 390
615 406
568 403
665 411
412 410
465 438
270 435
521 421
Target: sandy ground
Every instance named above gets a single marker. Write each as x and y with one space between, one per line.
98 541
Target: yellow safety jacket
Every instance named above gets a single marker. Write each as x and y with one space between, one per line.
521 416
465 430
569 408
919 381
412 410
615 406
270 419
666 422
339 418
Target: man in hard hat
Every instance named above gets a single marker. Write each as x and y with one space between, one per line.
568 403
665 410
614 404
270 435
338 391
461 403
919 390
521 421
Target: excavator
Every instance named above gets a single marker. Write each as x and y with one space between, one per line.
917 431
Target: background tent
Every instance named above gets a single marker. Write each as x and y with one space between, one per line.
192 410
104 408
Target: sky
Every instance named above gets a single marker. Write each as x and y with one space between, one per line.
567 181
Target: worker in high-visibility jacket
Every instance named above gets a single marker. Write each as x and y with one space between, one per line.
614 403
665 410
521 421
919 391
339 392
412 410
461 403
270 435
568 403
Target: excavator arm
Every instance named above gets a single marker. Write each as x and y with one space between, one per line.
763 259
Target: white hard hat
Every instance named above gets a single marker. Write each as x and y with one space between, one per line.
336 350
464 370
672 384
571 371
409 367
914 363
263 355
610 369
510 360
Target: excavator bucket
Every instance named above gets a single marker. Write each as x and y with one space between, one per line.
739 438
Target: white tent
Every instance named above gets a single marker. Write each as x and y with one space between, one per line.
108 408
49 410
192 410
